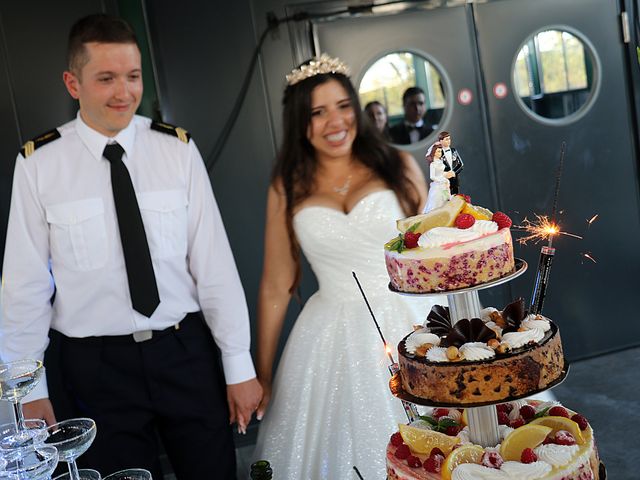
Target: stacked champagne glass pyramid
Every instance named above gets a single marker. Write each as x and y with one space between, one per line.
29 449
475 368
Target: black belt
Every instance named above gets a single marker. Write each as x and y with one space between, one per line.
140 336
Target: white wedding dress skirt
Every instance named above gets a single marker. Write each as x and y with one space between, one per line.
331 407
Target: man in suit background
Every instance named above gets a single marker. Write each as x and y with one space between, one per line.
413 128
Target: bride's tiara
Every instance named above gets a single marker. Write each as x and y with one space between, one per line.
322 64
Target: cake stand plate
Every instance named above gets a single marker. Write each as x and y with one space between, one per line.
395 384
520 268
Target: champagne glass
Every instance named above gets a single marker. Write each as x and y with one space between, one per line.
16 380
85 474
34 433
72 438
130 474
35 463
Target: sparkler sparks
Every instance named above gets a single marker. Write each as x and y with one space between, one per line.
541 229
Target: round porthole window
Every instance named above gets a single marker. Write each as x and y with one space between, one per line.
555 75
403 95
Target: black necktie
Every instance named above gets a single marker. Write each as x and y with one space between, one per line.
137 259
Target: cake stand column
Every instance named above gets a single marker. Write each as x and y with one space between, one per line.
483 421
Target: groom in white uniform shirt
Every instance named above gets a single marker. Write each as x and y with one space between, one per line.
138 375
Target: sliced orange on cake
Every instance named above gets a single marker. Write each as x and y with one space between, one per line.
423 441
465 454
479 213
527 436
438 217
561 423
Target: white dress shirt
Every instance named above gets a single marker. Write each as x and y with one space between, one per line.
63 231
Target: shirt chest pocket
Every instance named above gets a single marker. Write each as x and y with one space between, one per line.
164 214
78 235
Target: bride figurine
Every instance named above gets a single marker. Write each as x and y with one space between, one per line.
439 192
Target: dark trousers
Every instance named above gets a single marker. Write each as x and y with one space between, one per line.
170 387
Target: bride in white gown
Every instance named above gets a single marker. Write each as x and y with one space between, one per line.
337 193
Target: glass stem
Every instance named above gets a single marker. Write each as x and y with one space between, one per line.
73 470
19 418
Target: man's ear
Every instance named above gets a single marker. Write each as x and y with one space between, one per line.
72 83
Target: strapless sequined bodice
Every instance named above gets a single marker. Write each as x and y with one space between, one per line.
337 243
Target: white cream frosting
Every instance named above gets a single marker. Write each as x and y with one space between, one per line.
515 412
437 354
533 322
556 455
416 339
473 471
454 415
477 351
504 430
520 339
439 236
485 314
525 471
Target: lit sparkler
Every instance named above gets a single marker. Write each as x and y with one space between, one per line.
542 228
409 408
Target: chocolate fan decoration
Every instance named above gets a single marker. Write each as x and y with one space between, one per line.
439 320
513 315
466 331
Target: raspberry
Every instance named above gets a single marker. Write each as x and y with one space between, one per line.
396 439
492 460
439 412
527 412
548 440
414 461
559 412
467 198
411 239
562 437
433 464
504 407
503 418
528 456
436 451
403 452
581 421
452 431
465 220
502 219
517 422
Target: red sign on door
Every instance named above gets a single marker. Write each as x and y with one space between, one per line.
465 97
500 90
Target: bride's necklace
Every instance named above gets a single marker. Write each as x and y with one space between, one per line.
344 189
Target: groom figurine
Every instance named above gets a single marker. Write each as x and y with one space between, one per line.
452 161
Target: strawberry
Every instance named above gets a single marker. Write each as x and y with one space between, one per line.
439 412
581 421
467 198
433 464
414 461
503 418
558 411
562 437
502 219
452 431
492 460
527 412
403 452
517 422
411 239
396 439
465 220
528 456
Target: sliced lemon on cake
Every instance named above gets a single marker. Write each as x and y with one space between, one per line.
421 440
438 217
464 454
561 423
479 213
527 436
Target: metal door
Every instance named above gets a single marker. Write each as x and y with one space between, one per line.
593 303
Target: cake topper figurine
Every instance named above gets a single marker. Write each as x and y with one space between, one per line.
439 188
409 408
318 65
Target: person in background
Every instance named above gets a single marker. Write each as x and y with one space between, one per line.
337 190
452 161
378 115
413 128
116 213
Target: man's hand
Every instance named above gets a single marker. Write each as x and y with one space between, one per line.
266 397
243 399
41 408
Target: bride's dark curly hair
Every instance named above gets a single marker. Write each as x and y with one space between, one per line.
296 165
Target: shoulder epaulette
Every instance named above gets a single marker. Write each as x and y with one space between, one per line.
179 132
32 145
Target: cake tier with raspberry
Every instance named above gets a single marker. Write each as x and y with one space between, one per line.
504 356
538 441
456 246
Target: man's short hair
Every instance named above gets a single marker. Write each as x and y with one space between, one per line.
410 92
443 135
99 28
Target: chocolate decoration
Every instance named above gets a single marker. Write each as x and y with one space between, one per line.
439 320
513 315
466 331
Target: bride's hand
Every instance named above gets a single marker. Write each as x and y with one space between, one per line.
266 397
